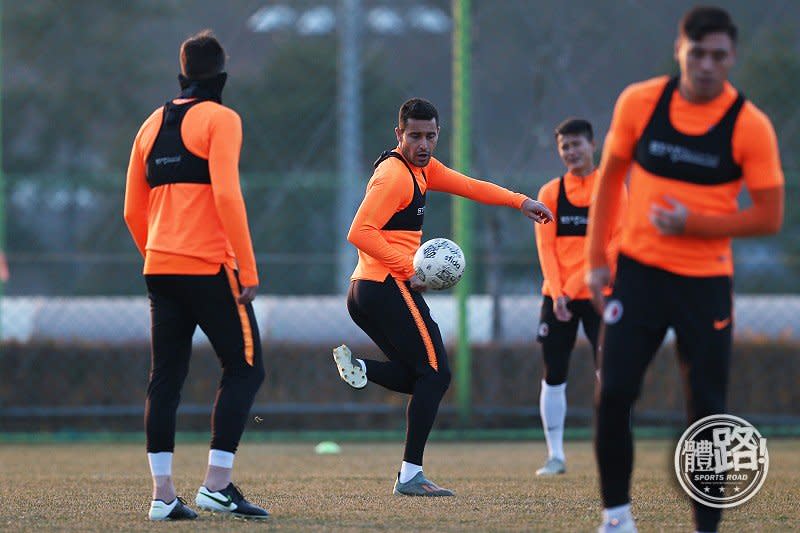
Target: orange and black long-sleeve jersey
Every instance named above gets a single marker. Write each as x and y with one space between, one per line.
563 258
389 191
192 228
705 248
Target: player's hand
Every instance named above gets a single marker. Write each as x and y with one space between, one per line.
560 309
416 284
3 268
598 279
536 211
247 295
669 221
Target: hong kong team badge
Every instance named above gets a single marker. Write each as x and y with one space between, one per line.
612 312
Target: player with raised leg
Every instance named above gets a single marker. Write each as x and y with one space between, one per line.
385 297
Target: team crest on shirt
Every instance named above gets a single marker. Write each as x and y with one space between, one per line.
612 312
544 329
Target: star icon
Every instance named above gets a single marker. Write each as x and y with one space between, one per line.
722 490
736 489
707 489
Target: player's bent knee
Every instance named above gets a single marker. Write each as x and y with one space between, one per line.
440 379
445 377
256 376
259 374
248 376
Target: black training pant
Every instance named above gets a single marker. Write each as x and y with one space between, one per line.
558 338
178 304
645 302
398 320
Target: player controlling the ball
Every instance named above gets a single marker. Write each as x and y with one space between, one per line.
385 296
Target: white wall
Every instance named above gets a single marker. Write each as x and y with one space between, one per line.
325 319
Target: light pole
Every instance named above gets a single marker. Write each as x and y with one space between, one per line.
350 140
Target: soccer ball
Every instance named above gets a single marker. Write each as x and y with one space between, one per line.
439 263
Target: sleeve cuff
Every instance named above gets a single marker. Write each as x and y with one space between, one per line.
410 271
248 278
693 224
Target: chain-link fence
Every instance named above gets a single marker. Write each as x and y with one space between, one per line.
317 84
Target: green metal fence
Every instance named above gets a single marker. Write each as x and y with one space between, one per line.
317 84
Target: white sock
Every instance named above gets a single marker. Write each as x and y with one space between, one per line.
621 512
408 471
220 458
160 463
553 408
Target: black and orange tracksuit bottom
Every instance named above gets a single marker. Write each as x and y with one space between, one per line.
178 304
558 338
398 320
646 301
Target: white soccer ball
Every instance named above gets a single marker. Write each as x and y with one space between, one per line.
439 263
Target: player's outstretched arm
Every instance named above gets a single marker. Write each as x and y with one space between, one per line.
444 179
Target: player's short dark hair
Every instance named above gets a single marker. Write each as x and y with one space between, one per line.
702 20
202 56
418 109
575 126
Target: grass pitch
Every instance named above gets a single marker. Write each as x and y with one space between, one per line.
106 487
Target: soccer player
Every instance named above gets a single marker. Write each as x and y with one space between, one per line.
690 143
385 297
184 209
566 303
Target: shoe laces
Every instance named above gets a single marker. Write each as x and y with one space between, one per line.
237 494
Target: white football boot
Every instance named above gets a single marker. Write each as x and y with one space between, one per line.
352 370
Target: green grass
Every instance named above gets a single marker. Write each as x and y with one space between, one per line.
106 487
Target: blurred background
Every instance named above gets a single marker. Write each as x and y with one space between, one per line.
318 84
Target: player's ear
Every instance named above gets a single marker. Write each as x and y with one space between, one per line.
677 48
733 54
398 133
